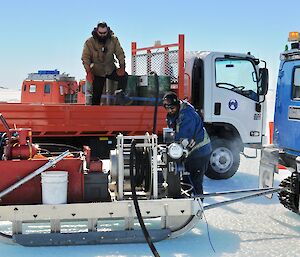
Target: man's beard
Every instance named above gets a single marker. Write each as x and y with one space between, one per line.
102 39
173 115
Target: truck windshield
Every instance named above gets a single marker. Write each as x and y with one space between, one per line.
238 75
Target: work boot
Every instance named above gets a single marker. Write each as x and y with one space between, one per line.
122 98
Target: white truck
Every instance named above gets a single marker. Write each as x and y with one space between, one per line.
227 89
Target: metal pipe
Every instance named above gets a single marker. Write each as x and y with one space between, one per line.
46 166
181 66
154 167
234 192
263 192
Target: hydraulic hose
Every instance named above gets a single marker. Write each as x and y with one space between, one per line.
142 169
135 201
156 101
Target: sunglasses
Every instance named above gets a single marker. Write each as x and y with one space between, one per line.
169 106
102 33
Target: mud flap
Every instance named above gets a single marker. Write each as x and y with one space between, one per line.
268 166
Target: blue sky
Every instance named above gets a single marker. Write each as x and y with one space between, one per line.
50 34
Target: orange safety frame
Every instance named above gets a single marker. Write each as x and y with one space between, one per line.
180 46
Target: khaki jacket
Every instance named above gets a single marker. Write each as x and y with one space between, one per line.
102 55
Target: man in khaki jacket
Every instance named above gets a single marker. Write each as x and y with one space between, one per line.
98 59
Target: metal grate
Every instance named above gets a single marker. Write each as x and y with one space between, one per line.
50 77
163 63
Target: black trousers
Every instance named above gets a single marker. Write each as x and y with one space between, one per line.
197 168
99 83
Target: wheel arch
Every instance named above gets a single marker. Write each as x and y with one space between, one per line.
225 131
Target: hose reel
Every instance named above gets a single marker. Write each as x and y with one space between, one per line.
144 163
142 167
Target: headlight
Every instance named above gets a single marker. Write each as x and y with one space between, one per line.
175 151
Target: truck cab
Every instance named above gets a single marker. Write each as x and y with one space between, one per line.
287 105
50 86
228 90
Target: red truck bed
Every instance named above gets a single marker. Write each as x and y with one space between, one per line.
80 120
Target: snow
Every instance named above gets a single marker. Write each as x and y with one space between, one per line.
253 227
9 95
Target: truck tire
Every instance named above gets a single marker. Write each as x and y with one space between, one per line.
224 159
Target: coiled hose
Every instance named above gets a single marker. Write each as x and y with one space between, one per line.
135 201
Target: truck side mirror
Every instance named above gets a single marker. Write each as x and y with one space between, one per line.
264 81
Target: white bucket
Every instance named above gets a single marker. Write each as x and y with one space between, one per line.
54 187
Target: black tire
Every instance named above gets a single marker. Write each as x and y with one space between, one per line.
289 197
224 160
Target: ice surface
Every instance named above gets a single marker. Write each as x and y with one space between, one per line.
9 95
254 227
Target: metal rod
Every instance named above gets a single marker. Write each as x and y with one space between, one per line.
46 166
154 168
156 47
263 192
234 192
120 156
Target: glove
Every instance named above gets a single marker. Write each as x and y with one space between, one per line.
121 71
191 144
90 77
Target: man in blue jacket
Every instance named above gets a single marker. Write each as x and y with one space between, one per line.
187 124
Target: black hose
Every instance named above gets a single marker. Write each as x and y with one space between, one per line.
60 146
2 138
142 169
156 101
135 201
139 171
5 235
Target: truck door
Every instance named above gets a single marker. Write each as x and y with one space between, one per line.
235 97
197 95
287 107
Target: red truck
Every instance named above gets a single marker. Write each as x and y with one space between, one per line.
227 89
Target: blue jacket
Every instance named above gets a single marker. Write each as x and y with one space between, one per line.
188 124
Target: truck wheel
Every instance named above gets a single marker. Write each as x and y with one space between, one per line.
224 159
